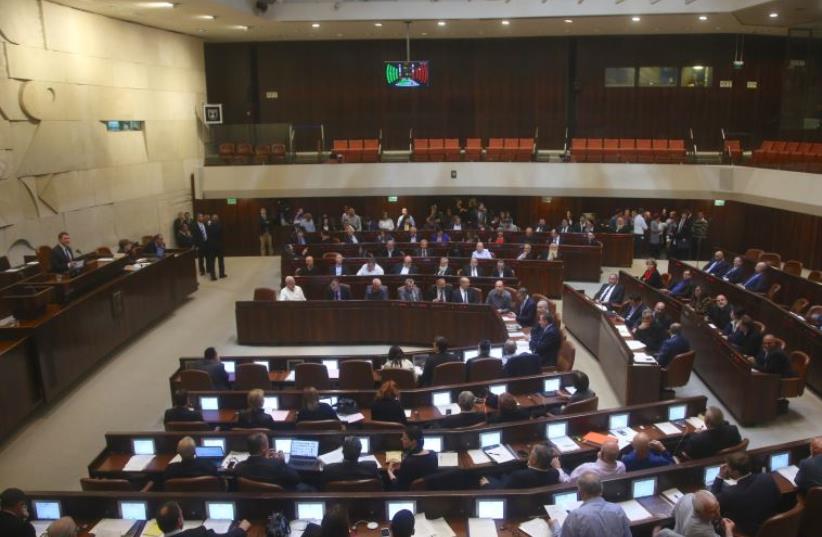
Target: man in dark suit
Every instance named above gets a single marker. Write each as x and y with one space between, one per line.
771 359
719 313
216 370
717 435
181 411
424 250
717 266
440 291
170 521
406 268
527 311
545 340
810 469
464 294
254 415
752 500
265 465
336 291
611 293
440 357
338 269
350 236
472 269
310 269
682 235
14 514
376 291
684 288
200 234
502 270
443 269
189 465
467 417
735 274
519 365
674 345
632 312
758 283
391 250
661 317
61 254
747 339
543 469
351 469
215 235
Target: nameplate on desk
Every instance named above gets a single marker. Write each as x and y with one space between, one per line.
635 345
642 358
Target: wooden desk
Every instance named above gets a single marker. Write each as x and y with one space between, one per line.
363 322
315 287
633 383
16 274
750 396
793 286
20 395
798 334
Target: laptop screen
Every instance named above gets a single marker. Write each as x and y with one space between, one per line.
441 398
209 403
230 366
393 507
491 509
271 402
551 385
214 442
498 389
143 446
133 510
304 448
331 364
677 412
366 444
282 444
711 473
780 460
310 510
496 352
433 443
220 510
46 509
555 430
209 452
467 355
491 438
617 421
564 498
263 363
643 487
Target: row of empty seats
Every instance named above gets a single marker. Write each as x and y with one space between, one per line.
245 153
803 156
627 150
367 150
448 149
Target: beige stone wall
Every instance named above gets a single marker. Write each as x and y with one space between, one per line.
63 73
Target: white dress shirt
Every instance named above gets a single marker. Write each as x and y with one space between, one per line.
639 225
365 271
287 294
484 254
607 294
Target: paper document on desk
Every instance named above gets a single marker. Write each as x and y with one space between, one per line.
696 422
668 428
448 459
536 527
407 413
635 345
422 528
478 456
441 527
393 456
14 269
560 512
516 334
623 330
367 458
642 358
500 454
40 526
235 457
417 371
523 346
175 458
112 527
449 410
569 390
789 473
600 306
673 495
278 415
481 527
565 444
218 526
352 418
712 325
634 510
138 463
332 457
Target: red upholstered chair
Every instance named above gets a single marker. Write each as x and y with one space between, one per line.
436 149
660 148
594 152
250 376
226 151
610 150
494 151
403 377
525 150
355 148
578 148
340 147
278 153
676 151
244 153
356 375
644 150
452 149
262 153
627 150
473 149
420 149
195 380
266 294
448 373
793 267
483 369
733 150
758 155
371 150
509 151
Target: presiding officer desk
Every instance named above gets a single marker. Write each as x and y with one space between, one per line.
89 507
67 324
752 397
519 436
797 333
596 329
364 322
315 287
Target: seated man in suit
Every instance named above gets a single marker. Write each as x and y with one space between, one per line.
499 298
263 464
545 340
62 254
771 359
156 247
543 469
632 312
719 313
255 416
443 269
351 469
649 332
645 454
611 293
440 291
731 329
170 522
14 514
519 365
310 269
336 291
747 339
758 283
527 309
509 410
683 289
526 253
440 357
216 370
753 498
410 291
582 388
717 266
674 345
376 291
189 465
424 250
350 236
472 269
717 435
467 417
810 469
338 269
661 317
736 273
391 250
407 268
181 411
464 294
502 270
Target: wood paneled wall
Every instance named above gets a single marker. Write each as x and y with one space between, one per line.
793 235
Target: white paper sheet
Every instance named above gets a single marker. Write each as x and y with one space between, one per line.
623 330
635 345
570 390
40 526
291 376
218 526
352 418
642 358
560 512
278 415
333 374
516 334
453 407
565 444
634 510
112 527
478 456
673 495
441 527
789 473
536 527
372 458
238 456
500 454
696 422
668 428
422 528
481 527
448 459
176 458
332 457
407 413
137 463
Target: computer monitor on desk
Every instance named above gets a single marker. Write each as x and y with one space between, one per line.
490 438
618 421
143 446
781 459
641 488
433 443
441 398
130 510
209 403
47 509
221 510
677 412
394 506
310 510
494 509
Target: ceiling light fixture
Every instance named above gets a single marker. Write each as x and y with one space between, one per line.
164 5
378 24
773 15
635 19
703 17
315 25
205 17
568 21
242 27
505 23
441 23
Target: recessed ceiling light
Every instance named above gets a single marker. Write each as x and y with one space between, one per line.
378 24
568 21
157 4
699 67
240 27
205 17
773 15
635 19
441 23
315 25
703 17
505 23
424 33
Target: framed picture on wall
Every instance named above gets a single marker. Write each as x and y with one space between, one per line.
213 114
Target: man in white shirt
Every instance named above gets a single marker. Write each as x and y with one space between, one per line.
405 221
640 227
480 252
291 292
406 268
371 268
606 465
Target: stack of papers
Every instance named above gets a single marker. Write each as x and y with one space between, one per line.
696 422
500 454
668 428
564 444
217 526
351 418
642 358
560 512
623 330
635 345
673 495
634 511
789 473
478 456
449 410
112 527
331 457
138 463
234 457
448 459
278 415
536 527
481 527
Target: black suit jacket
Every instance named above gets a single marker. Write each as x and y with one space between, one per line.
463 419
433 361
345 293
203 532
189 468
182 413
654 279
254 418
775 362
616 295
810 473
734 275
413 270
387 410
750 502
632 317
522 365
217 372
456 296
466 271
215 234
259 468
720 317
350 471
59 260
448 271
506 273
396 252
333 271
530 478
305 271
432 293
200 241
527 312
719 269
748 344
12 526
706 443
545 343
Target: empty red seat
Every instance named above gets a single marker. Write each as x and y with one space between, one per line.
758 155
355 150
627 150
594 151
660 148
509 151
676 150
226 151
370 150
278 152
525 149
261 153
610 150
421 149
243 153
473 149
644 150
578 148
452 149
340 147
436 149
733 150
495 149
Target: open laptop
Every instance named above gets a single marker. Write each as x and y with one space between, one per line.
47 509
304 453
551 386
487 508
212 453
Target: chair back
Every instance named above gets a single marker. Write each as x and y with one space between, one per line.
514 298
113 485
265 294
403 377
793 267
4 263
666 279
773 290
249 485
383 426
448 373
359 485
311 374
812 515
321 425
815 276
795 386
771 258
417 484
104 251
679 370
567 355
800 305
478 293
760 326
742 446
251 376
195 380
44 257
205 483
356 375
753 253
485 369
783 524
578 407
189 426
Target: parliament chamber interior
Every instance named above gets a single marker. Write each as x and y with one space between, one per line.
383 268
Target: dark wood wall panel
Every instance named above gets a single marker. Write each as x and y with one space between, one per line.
229 80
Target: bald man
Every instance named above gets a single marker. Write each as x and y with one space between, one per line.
758 283
63 527
646 453
291 292
606 465
718 435
694 516
810 469
772 359
189 465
